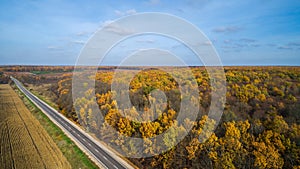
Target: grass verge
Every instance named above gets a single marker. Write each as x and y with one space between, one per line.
42 93
46 100
74 155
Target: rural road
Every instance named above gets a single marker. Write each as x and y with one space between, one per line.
91 147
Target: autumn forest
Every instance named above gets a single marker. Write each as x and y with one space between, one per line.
259 127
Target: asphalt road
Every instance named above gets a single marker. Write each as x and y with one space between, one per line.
91 147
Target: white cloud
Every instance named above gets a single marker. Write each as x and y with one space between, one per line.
240 43
119 13
128 12
177 46
207 43
227 29
204 43
107 22
145 41
80 42
131 12
154 2
289 46
227 41
110 26
284 47
247 40
54 48
82 33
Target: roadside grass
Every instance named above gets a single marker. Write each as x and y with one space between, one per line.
42 94
74 155
45 99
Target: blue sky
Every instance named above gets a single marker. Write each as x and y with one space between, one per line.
249 32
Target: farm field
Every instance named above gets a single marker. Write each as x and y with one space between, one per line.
23 141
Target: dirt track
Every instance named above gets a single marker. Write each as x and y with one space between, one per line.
23 141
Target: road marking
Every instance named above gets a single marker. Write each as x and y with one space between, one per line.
97 151
115 166
104 157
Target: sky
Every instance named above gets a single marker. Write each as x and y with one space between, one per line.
53 32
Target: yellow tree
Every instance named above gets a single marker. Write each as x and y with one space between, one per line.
266 150
124 127
231 151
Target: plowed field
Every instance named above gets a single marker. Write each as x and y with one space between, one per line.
23 141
